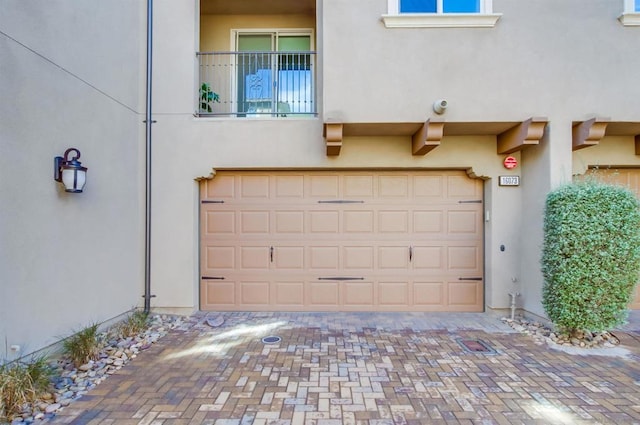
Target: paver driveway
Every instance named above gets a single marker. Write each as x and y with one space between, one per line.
342 368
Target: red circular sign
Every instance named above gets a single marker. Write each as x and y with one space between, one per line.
510 162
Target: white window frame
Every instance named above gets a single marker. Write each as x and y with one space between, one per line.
483 19
630 18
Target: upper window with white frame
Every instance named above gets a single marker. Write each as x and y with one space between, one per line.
440 6
631 14
440 13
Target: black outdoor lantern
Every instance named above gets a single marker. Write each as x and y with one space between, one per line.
69 171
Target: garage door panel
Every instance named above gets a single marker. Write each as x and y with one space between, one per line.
393 257
464 293
289 222
217 293
254 221
428 257
358 257
324 186
463 258
217 222
465 222
426 221
220 258
254 293
393 187
222 188
358 186
341 240
324 221
288 257
324 258
357 294
431 294
254 257
393 221
394 294
289 294
430 187
252 186
289 186
358 221
323 294
459 187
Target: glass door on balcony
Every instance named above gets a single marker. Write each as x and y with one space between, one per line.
274 74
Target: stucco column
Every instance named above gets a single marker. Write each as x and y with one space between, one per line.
548 166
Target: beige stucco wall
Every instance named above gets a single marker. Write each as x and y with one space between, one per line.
611 152
68 260
215 34
563 61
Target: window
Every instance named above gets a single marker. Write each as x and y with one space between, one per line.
439 6
440 13
631 14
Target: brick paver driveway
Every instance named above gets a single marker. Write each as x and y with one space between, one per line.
363 369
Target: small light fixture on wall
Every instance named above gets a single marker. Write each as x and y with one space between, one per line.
69 171
440 105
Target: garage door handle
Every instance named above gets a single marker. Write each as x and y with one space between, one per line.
341 278
469 278
212 278
271 254
410 253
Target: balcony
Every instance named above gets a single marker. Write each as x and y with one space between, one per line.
257 84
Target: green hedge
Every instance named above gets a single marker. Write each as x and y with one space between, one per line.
591 255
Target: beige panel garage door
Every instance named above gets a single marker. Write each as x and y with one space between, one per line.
631 179
343 241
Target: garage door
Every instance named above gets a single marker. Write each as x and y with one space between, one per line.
341 241
631 179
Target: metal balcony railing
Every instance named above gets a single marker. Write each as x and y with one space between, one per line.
245 84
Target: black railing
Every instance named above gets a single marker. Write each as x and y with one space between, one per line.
246 84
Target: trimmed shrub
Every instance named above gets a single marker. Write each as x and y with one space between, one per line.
591 255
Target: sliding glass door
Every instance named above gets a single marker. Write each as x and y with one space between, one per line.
274 73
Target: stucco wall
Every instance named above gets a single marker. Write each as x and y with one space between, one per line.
611 152
216 29
68 260
562 60
542 57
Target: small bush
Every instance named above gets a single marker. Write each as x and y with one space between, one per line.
135 324
83 345
22 383
591 255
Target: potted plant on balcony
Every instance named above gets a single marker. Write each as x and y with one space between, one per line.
207 98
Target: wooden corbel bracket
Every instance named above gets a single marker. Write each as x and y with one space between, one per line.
589 133
333 137
427 137
518 137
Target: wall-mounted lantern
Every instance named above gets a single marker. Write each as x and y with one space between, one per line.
69 171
